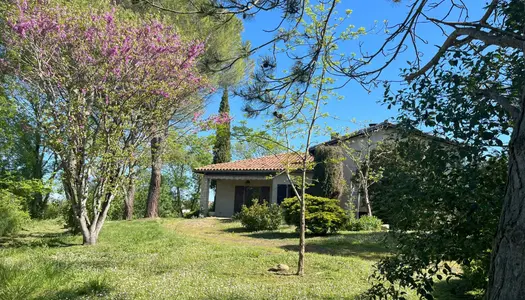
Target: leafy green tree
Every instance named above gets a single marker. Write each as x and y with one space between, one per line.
185 153
222 146
471 89
221 61
441 208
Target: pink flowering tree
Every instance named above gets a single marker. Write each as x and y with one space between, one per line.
106 80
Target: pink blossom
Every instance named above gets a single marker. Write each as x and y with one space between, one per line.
197 115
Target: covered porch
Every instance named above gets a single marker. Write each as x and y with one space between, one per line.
235 190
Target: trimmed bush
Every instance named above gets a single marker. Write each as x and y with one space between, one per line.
12 216
364 223
323 215
259 217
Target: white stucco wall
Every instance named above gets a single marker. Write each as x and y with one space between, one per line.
349 166
225 196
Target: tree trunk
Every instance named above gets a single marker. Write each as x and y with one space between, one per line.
367 200
129 199
507 268
90 240
302 224
156 177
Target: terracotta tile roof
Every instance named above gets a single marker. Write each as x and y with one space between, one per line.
276 162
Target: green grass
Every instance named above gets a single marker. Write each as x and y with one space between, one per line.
183 259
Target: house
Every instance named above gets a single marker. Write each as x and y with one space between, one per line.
264 178
239 182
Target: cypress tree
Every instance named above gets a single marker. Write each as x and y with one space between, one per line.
222 148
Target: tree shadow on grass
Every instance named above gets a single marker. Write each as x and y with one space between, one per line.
454 289
270 235
225 220
370 245
34 240
274 235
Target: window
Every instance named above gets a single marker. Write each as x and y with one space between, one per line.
284 191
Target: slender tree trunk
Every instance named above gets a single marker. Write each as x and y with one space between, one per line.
129 199
302 224
507 269
302 199
156 177
365 192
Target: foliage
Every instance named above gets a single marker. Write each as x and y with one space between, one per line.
224 59
222 147
440 208
364 223
472 90
250 143
184 152
23 153
12 216
108 78
54 210
260 216
15 194
323 215
328 172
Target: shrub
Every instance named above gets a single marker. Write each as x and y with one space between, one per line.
54 210
12 216
323 215
364 223
260 216
192 214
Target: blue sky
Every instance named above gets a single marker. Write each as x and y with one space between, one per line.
358 103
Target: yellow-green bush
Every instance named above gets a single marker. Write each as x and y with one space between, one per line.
323 215
12 216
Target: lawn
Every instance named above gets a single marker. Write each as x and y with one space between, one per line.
183 259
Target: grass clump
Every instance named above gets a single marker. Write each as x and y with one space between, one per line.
364 223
